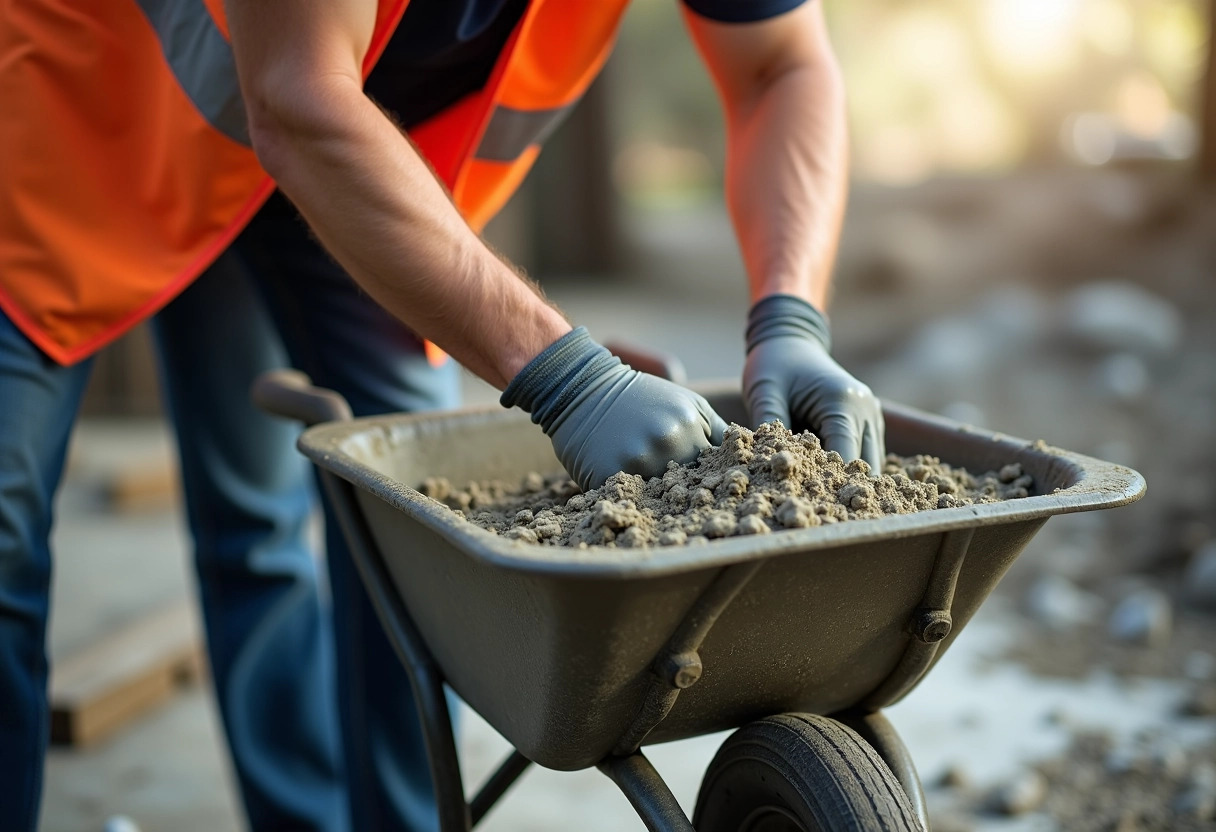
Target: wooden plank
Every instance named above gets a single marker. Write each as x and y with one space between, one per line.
119 677
154 485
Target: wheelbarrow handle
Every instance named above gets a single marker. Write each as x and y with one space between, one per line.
649 360
291 394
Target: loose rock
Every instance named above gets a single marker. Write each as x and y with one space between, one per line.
1122 316
954 777
1056 603
1023 794
1144 617
1201 702
1196 803
1201 576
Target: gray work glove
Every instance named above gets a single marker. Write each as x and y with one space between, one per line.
790 376
603 416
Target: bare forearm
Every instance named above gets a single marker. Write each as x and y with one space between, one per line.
378 209
786 181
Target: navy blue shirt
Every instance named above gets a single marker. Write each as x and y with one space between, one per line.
445 49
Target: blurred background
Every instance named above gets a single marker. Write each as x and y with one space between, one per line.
1030 247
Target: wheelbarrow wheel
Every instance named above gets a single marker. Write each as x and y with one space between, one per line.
800 773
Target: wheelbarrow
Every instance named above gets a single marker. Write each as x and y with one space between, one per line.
580 657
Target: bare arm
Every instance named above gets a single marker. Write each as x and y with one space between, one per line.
787 158
366 192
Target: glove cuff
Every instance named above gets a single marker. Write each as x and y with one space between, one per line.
554 379
778 315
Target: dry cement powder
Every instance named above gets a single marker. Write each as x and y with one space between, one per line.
756 482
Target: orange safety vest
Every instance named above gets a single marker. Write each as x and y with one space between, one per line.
125 162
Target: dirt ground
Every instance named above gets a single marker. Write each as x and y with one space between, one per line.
1079 308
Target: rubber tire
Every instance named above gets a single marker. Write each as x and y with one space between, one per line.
800 773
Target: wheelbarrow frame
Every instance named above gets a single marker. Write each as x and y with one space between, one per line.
675 667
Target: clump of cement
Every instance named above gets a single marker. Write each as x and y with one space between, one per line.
754 483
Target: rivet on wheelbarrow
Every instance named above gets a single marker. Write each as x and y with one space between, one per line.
682 670
931 625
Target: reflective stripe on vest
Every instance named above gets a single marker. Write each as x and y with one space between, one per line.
511 132
202 61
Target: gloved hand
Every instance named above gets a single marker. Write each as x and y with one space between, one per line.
790 376
603 416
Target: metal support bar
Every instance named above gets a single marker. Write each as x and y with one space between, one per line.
495 787
654 802
678 664
425 676
876 730
930 623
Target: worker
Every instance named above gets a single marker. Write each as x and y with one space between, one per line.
156 153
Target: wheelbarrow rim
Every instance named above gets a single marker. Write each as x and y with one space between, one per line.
1096 484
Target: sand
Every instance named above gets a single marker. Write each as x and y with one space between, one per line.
756 482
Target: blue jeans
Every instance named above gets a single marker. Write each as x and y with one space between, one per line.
316 708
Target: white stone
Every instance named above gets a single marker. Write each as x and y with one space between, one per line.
1145 616
1023 794
1116 316
1013 315
1200 578
1199 665
120 823
1055 602
1123 377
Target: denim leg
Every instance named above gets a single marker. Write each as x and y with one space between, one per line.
249 499
344 341
38 403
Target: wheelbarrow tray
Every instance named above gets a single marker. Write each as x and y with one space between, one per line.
557 647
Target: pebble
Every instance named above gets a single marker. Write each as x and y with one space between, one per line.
1023 794
1123 377
1200 578
1143 617
1056 603
1196 803
954 777
797 513
120 823
719 524
1199 665
675 537
952 822
1201 702
523 534
752 524
1203 776
1118 316
631 538
1122 760
1171 761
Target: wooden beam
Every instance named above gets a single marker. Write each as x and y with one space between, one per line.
121 676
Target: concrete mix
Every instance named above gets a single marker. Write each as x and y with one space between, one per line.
756 482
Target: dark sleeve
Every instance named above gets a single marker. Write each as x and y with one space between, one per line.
741 11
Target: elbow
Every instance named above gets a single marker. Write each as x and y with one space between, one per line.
287 117
272 145
276 126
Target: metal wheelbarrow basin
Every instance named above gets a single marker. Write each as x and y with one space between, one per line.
580 656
